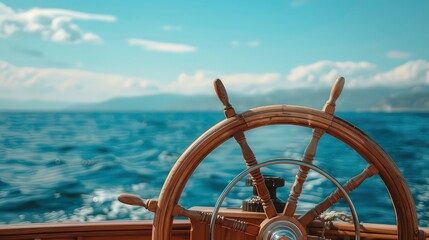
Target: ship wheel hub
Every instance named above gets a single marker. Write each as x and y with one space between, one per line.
282 228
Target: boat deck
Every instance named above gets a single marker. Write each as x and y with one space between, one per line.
142 230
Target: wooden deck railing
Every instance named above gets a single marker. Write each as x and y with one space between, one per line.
142 230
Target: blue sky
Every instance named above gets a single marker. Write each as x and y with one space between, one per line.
88 51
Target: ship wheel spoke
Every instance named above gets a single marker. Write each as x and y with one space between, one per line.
334 197
194 215
310 151
248 155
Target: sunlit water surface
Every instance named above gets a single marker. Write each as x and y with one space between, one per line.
57 167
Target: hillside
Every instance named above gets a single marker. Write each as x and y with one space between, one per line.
372 99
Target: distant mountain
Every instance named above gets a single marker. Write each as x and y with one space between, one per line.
32 105
158 102
407 102
371 99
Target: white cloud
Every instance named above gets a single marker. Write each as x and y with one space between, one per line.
358 74
324 73
235 43
398 55
5 9
161 46
252 44
202 82
172 28
54 84
72 85
408 74
57 25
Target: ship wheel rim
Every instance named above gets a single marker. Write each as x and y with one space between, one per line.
286 161
368 149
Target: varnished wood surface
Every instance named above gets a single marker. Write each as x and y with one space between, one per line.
115 230
122 230
338 229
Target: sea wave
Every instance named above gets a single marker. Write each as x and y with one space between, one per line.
71 166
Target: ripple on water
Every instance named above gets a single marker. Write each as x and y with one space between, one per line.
71 166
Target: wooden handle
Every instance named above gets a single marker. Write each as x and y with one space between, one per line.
221 93
223 97
131 199
134 200
336 90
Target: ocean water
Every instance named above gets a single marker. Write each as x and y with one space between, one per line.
58 167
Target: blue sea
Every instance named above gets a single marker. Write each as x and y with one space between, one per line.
62 167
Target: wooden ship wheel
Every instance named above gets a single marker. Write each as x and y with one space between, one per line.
234 126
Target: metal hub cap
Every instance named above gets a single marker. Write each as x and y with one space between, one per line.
282 230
